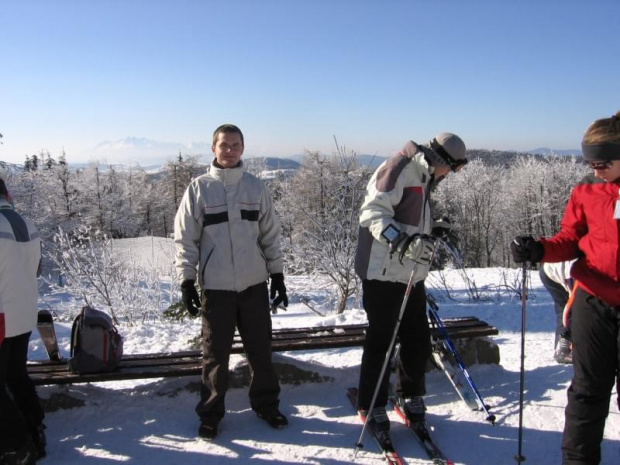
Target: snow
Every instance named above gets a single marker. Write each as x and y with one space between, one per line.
153 421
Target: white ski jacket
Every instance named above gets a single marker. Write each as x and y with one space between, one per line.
227 227
20 259
398 194
559 272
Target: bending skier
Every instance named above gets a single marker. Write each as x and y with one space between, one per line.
589 233
395 223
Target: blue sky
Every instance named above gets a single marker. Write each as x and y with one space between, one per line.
295 73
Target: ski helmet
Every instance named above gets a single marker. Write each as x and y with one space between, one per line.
447 149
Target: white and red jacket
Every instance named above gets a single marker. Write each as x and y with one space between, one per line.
20 259
398 193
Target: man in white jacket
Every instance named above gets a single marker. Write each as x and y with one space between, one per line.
394 242
226 236
22 440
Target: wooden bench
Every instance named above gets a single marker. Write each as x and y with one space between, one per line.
173 364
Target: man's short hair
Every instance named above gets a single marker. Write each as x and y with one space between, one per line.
3 190
227 129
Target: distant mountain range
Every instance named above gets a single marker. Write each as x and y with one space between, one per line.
548 151
363 160
152 155
143 151
9 168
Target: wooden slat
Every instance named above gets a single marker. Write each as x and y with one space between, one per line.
186 363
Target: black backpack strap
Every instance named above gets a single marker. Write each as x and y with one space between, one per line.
77 322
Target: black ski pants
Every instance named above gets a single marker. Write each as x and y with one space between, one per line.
596 351
20 410
222 312
382 302
560 297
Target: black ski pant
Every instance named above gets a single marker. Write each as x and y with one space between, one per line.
382 302
596 350
560 297
222 312
20 410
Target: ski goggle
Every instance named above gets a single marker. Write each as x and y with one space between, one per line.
600 165
455 165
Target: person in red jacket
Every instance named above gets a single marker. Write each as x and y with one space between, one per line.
590 232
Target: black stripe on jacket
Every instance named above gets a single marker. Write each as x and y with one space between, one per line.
249 215
210 219
18 225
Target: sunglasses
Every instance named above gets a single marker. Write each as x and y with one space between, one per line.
600 165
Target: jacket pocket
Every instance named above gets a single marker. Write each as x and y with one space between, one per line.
261 254
204 265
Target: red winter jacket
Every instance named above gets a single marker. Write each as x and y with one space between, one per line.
590 233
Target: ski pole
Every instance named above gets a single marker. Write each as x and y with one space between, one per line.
410 283
520 457
432 309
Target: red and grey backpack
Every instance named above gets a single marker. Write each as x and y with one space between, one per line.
96 345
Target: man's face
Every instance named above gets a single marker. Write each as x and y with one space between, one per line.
441 171
228 149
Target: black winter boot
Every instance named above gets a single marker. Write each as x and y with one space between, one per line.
25 455
273 417
208 428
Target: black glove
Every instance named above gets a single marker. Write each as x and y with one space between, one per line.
526 249
418 248
190 298
442 228
277 286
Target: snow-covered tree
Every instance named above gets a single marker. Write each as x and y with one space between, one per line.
109 278
492 202
322 202
472 201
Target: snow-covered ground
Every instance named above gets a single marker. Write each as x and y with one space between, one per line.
153 421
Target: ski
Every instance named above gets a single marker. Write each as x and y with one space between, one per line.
45 326
422 434
383 440
443 358
458 374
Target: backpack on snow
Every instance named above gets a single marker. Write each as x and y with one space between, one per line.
96 345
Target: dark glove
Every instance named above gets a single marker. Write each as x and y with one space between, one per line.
418 248
190 298
526 249
277 286
442 228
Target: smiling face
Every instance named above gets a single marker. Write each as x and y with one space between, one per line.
227 149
